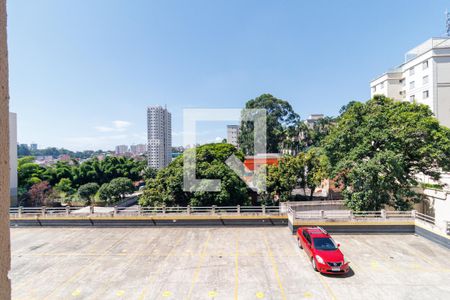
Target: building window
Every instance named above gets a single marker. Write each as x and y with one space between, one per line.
412 98
425 65
411 71
425 79
426 94
412 85
402 81
382 85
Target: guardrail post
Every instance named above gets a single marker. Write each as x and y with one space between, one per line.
213 209
116 210
383 214
19 211
322 214
43 211
350 215
413 214
67 210
140 210
164 209
188 209
91 210
239 210
264 209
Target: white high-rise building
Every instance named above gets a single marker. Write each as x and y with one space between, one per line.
424 77
159 123
13 180
233 134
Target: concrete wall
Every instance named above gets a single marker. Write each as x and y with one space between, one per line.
13 180
5 250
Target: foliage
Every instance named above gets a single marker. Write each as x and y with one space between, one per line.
67 177
280 116
116 189
87 191
24 150
64 186
167 187
39 194
378 147
306 170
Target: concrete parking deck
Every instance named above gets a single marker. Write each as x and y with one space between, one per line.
217 263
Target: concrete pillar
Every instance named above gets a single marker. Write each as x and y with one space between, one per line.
188 209
413 214
213 209
67 210
43 211
139 210
164 209
322 214
351 215
239 209
91 210
19 211
264 209
116 209
5 246
383 214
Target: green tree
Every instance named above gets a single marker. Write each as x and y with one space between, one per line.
87 191
64 187
280 116
121 186
167 187
377 149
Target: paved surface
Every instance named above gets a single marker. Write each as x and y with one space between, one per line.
217 263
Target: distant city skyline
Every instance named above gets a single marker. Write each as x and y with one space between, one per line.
85 85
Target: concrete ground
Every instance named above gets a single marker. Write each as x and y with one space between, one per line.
217 263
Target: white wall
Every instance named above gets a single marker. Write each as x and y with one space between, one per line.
13 157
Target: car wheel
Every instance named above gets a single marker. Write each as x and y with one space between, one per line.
313 263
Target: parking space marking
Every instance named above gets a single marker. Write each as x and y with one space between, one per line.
199 265
212 294
167 294
274 267
159 269
326 285
85 267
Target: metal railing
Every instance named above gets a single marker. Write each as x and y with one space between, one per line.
425 218
348 215
19 212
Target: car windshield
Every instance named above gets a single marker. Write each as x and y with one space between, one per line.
324 244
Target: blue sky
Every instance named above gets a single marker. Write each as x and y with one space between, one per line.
83 72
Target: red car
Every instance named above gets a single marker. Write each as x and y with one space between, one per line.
321 249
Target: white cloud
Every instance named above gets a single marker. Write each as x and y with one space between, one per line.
118 126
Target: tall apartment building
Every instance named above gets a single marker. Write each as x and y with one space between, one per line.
121 149
233 134
424 77
33 147
13 180
159 132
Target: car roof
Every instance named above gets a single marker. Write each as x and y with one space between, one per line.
317 232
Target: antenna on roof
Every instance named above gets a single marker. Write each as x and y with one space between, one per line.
447 22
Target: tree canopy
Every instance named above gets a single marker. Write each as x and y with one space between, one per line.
280 116
377 148
167 187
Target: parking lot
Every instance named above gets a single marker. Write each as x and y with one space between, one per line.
217 263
